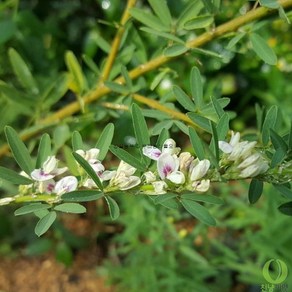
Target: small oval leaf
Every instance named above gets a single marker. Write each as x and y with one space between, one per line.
70 208
82 196
31 208
45 223
113 207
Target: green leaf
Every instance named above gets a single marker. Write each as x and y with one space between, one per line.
203 198
44 150
22 72
89 170
127 157
77 142
278 141
269 123
162 34
290 137
183 99
198 211
128 80
161 138
91 65
166 124
286 208
197 143
113 207
263 51
8 29
196 87
19 150
201 21
273 4
76 72
161 10
235 40
223 127
183 127
259 115
45 223
13 177
207 53
116 87
175 50
70 208
284 190
140 126
82 196
214 145
170 204
61 134
105 140
255 190
148 19
278 157
217 107
190 12
200 121
31 208
165 197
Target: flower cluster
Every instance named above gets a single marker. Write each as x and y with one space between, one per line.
44 179
176 170
242 156
173 170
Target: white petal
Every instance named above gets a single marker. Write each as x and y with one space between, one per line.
151 152
159 187
6 201
169 147
50 164
40 175
81 152
200 169
201 186
177 177
97 166
89 183
225 147
247 149
92 154
131 182
185 160
125 168
149 176
59 171
107 175
234 138
66 184
46 186
249 161
166 164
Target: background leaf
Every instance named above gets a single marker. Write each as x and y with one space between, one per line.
255 190
31 208
113 207
77 143
19 150
45 223
262 49
70 208
105 140
198 211
44 150
82 196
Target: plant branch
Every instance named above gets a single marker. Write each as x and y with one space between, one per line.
116 42
100 90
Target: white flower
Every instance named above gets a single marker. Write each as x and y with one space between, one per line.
255 169
159 187
169 146
46 186
177 177
6 201
65 185
89 155
149 176
48 171
185 160
123 178
201 186
199 169
151 152
166 164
